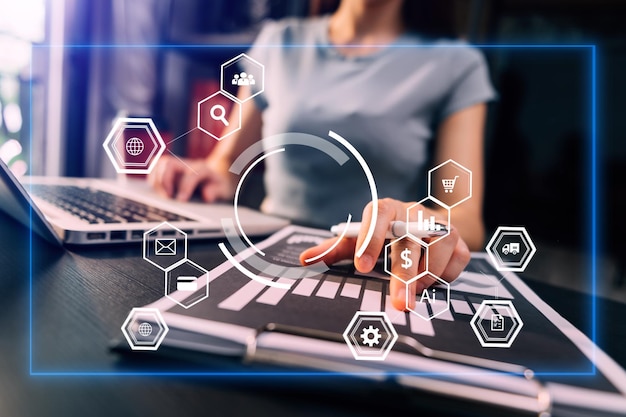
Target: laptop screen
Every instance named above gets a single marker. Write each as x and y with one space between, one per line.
15 201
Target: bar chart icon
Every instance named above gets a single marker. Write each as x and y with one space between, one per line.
428 224
423 223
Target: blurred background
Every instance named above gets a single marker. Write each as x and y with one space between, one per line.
59 101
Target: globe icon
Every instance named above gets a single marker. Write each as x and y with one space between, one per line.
134 146
145 329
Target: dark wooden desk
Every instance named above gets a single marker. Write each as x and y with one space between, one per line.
80 299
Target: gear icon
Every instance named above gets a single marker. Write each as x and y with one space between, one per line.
371 336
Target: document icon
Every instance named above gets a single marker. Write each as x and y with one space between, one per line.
497 323
185 283
165 247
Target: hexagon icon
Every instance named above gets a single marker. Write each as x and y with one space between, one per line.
164 246
242 71
511 249
134 145
496 323
370 336
450 183
432 300
216 113
144 329
186 283
420 223
407 253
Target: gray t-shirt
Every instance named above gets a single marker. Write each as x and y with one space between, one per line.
386 104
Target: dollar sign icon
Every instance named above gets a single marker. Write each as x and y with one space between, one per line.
405 255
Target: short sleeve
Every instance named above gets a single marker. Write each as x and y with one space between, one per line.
260 51
470 84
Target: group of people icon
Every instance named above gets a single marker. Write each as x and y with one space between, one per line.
243 78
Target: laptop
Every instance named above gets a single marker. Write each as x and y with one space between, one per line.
88 211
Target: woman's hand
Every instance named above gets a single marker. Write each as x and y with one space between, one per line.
446 257
179 178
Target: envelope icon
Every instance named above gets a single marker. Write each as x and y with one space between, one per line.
165 247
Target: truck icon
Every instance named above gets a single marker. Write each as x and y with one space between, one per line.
513 248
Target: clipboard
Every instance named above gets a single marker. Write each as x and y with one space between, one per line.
263 326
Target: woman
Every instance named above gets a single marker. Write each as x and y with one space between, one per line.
358 73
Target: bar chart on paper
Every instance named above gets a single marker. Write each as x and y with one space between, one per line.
315 310
328 301
364 292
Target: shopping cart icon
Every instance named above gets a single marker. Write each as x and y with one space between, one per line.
448 184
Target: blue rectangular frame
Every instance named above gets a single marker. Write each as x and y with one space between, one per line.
593 210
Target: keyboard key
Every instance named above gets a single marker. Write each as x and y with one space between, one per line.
96 206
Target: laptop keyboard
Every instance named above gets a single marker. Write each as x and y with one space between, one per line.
100 207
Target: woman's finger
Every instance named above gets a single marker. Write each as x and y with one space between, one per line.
155 177
344 250
187 184
169 172
209 192
448 256
388 211
459 260
406 263
441 252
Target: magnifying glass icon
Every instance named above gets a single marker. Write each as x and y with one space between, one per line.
218 112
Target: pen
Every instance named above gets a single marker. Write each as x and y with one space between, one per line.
396 229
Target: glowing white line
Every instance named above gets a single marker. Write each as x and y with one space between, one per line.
370 180
243 177
249 274
327 251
